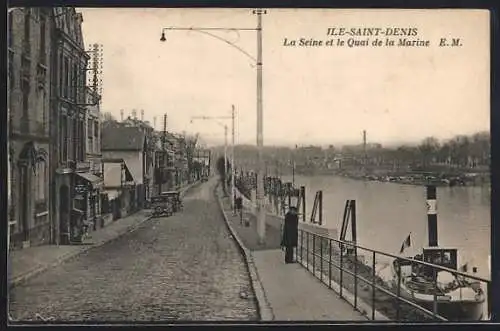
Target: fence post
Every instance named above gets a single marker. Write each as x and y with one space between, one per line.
303 195
355 276
314 254
398 291
301 244
321 257
330 263
320 206
341 268
307 251
373 285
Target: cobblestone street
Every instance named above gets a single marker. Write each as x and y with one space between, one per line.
184 267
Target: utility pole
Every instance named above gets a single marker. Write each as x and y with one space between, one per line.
261 217
233 166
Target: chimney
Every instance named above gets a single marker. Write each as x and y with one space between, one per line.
142 115
121 115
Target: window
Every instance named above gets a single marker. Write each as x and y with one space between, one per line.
43 26
10 17
11 75
26 94
61 75
96 137
74 84
82 84
71 138
82 141
27 28
75 133
64 139
66 78
90 136
41 173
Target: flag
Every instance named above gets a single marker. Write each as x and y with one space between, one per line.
406 244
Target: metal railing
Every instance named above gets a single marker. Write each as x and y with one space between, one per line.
327 260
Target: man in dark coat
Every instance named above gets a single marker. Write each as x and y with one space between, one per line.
238 203
290 233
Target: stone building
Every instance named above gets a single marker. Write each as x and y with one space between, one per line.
93 154
29 51
130 144
72 182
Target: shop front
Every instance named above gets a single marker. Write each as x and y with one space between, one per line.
85 216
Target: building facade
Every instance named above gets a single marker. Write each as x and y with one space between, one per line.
93 154
29 51
130 144
72 181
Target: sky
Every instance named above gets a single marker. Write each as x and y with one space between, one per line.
311 95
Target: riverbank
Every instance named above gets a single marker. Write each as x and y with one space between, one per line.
309 253
412 177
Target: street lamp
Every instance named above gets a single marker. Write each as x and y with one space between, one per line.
225 146
261 217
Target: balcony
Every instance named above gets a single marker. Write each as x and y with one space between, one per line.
28 127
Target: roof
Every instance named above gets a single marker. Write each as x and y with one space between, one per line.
122 139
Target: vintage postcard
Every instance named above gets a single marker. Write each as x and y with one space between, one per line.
248 165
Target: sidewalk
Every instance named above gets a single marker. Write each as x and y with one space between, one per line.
28 262
284 292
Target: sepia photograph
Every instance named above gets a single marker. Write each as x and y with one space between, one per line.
248 165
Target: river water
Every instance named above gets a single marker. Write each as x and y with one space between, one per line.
388 212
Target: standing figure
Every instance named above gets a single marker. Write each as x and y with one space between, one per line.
290 234
238 203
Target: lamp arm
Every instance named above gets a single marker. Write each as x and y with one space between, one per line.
200 30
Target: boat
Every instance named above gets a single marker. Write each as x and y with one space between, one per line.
457 298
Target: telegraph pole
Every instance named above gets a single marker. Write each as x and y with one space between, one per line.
261 215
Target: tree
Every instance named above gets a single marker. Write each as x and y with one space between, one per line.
428 149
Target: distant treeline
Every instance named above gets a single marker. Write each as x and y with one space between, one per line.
462 151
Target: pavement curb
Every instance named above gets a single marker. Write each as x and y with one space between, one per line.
265 310
363 307
23 278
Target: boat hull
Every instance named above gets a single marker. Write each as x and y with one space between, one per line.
455 311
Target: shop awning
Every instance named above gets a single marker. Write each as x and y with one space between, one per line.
112 194
94 180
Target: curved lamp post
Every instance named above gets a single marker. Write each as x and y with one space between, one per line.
225 145
261 217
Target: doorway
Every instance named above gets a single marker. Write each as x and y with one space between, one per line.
24 213
64 213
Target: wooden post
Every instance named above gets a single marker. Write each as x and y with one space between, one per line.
320 206
303 197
